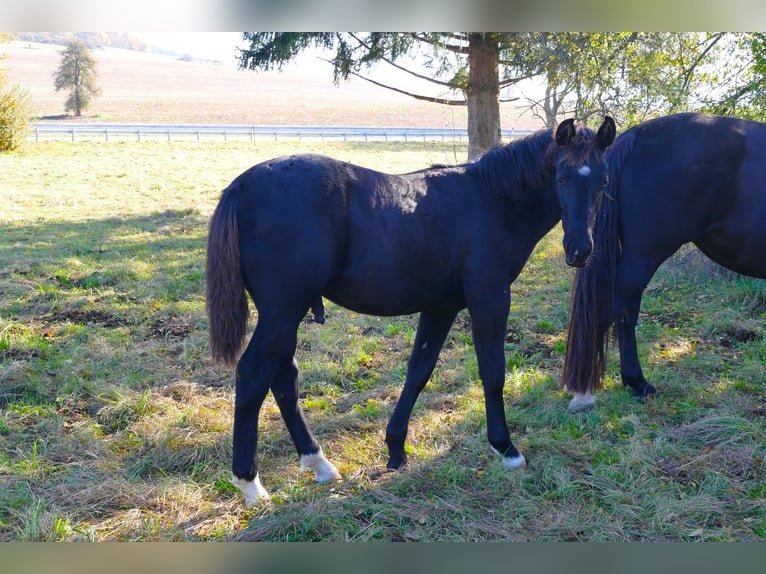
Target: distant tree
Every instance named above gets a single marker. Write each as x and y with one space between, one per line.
77 73
14 109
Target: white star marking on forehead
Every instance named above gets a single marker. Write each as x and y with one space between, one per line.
584 170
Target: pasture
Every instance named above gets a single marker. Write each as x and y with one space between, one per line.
114 424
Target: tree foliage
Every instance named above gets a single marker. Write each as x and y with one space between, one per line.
467 68
632 76
15 110
77 73
635 76
743 76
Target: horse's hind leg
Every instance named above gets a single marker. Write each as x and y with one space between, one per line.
254 374
432 330
285 390
267 363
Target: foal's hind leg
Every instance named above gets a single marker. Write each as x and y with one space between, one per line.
433 328
268 363
285 390
254 374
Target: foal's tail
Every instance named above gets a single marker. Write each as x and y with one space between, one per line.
227 308
591 310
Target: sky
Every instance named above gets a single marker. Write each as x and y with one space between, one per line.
221 46
207 45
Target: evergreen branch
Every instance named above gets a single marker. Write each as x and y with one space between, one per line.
390 62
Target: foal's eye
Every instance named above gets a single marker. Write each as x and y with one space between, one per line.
604 182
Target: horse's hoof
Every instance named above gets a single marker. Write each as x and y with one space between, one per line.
252 489
643 392
582 402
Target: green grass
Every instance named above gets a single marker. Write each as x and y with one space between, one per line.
114 425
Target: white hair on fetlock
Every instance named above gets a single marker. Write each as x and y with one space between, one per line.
513 462
324 470
252 489
582 402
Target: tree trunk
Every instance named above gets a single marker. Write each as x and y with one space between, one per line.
482 94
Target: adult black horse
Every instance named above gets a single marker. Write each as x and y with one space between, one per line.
433 241
672 180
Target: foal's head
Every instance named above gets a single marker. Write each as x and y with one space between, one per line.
581 177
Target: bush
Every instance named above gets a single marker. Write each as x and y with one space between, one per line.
14 117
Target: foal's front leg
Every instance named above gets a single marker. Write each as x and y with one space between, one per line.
489 319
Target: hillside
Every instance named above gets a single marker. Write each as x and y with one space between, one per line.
139 87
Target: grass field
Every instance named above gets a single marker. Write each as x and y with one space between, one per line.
114 425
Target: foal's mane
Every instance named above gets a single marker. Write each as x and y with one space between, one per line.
529 162
517 165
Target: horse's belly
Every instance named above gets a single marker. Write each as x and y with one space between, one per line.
391 294
739 248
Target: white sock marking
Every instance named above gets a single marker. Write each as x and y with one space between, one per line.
252 489
582 402
324 470
514 462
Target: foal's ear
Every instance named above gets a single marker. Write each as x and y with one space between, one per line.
606 133
566 133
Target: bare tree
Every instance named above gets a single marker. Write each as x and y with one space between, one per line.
77 73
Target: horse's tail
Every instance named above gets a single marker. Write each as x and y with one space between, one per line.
591 309
227 308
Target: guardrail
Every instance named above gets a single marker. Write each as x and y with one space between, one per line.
111 132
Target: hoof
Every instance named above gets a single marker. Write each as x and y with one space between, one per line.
252 489
643 392
323 469
582 402
517 462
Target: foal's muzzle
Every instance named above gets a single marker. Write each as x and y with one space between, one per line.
577 254
577 260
